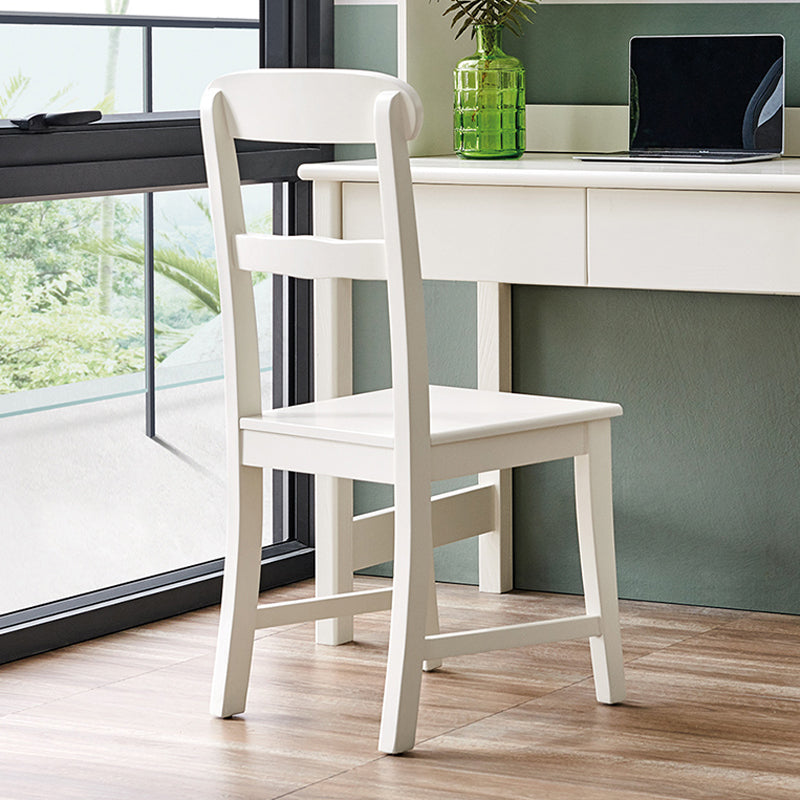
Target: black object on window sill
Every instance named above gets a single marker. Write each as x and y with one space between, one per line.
40 123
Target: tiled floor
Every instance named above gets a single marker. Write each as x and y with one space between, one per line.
713 712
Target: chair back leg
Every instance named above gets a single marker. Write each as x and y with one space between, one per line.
432 621
237 623
593 501
333 552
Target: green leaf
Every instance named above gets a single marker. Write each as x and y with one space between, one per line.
509 13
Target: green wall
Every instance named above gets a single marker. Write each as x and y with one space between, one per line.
578 54
707 479
366 37
706 455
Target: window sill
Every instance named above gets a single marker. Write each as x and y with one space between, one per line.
124 153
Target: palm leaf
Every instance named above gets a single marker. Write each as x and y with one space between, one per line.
195 274
59 95
106 104
509 13
10 92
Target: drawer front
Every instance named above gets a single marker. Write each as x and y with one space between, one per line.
694 241
506 234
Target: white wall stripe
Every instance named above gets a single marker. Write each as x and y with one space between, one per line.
582 2
365 2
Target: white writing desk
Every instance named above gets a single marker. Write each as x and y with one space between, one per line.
551 220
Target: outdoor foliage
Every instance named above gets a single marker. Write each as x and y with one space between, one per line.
50 329
50 333
177 258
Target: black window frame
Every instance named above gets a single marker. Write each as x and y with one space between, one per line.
143 153
152 151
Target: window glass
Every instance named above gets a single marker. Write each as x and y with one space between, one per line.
70 67
188 325
89 500
61 68
71 317
230 9
211 52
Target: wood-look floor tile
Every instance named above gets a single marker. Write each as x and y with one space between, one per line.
778 625
32 681
714 715
115 764
427 776
713 710
677 742
652 626
79 668
153 732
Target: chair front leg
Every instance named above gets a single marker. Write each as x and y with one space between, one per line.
239 593
593 499
413 561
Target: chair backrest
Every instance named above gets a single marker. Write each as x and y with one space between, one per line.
329 106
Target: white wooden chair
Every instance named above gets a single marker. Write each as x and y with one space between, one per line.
409 436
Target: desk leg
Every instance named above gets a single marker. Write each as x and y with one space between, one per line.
495 549
333 377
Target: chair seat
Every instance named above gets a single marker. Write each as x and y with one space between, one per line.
457 415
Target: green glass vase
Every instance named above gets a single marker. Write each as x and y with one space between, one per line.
489 102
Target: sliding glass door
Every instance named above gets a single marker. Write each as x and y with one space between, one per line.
112 460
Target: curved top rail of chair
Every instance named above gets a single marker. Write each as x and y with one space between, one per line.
340 116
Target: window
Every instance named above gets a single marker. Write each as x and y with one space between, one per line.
116 295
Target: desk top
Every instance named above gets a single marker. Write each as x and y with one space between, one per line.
555 235
558 169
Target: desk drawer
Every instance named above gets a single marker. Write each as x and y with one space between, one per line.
466 232
695 241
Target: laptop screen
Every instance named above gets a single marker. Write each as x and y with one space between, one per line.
707 93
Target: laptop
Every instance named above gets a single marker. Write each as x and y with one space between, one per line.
706 99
